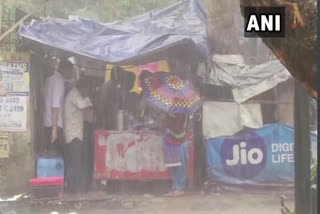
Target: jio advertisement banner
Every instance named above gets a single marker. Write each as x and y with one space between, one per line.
254 156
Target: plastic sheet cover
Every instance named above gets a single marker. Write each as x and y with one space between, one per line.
217 122
184 22
246 81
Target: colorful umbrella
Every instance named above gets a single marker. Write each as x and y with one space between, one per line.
171 94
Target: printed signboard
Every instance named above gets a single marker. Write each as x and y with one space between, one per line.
254 156
14 78
4 145
13 113
14 92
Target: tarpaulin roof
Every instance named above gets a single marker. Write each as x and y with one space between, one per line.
184 22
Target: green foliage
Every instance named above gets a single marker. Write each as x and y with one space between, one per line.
314 167
286 210
129 8
290 212
94 9
30 5
8 44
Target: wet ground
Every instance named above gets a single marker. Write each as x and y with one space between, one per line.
240 201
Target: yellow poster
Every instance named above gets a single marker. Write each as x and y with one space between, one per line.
161 65
4 145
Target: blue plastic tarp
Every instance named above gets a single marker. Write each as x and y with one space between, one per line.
254 156
181 23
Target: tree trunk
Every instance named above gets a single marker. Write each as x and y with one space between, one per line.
298 50
1 9
221 26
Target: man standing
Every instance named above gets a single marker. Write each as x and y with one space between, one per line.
53 106
76 103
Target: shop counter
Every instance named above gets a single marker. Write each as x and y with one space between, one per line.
134 155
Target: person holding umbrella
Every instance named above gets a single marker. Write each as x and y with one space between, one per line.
178 99
174 145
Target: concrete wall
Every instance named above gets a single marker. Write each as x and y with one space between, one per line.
16 171
286 110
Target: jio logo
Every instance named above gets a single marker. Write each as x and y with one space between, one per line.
244 155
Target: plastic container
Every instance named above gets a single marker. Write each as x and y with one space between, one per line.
48 166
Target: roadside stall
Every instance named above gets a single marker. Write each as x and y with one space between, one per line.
126 144
252 143
134 150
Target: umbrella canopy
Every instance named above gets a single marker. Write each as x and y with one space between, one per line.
171 94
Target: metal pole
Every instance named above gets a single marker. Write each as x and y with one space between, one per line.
302 153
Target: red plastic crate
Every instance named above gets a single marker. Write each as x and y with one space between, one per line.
46 181
47 187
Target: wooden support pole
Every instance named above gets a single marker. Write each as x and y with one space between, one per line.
302 153
113 10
